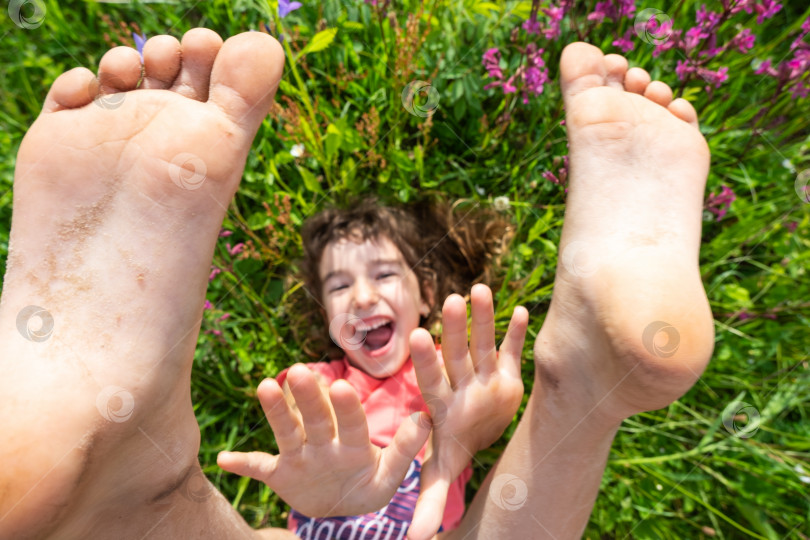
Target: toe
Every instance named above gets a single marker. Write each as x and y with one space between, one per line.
684 110
161 59
616 67
119 70
658 92
199 49
72 89
636 80
245 77
582 66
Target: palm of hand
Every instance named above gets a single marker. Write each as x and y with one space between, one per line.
326 464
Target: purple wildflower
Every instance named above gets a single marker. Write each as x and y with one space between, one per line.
624 43
536 73
532 25
765 68
285 7
600 11
509 86
714 77
740 5
207 305
707 19
683 69
140 40
671 43
555 15
235 250
766 10
719 204
800 90
744 41
694 36
491 61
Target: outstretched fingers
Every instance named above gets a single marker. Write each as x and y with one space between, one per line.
315 409
429 373
455 353
482 334
511 351
284 421
352 425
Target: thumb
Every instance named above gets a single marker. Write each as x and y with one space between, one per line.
257 465
408 441
429 512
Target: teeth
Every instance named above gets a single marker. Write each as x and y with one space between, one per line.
363 328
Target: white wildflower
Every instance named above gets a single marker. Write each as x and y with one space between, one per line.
501 203
480 190
297 150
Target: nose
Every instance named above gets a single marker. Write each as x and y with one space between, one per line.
365 294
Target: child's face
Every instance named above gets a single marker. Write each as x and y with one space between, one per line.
372 303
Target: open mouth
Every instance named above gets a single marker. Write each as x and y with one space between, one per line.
378 336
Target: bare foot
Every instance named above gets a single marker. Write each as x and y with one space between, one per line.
119 194
629 314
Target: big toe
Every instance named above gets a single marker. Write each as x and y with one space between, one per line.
582 67
246 74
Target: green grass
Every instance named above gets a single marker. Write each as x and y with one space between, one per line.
686 471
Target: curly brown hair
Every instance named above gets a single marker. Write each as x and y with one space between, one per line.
449 248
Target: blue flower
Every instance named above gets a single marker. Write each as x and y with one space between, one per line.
285 7
139 41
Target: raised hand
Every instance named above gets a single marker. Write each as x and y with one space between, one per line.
326 464
471 401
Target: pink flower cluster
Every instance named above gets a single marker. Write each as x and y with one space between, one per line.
562 173
700 43
792 73
532 75
555 14
719 204
613 10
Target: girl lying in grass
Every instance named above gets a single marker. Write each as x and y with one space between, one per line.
373 273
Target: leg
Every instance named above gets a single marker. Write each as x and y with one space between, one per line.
629 328
118 200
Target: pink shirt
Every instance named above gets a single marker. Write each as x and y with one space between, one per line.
387 403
